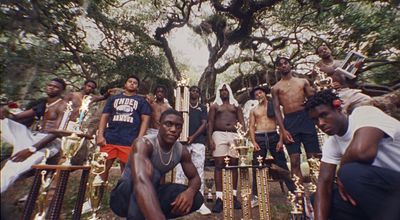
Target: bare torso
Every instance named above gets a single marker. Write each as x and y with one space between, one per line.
53 115
263 123
291 94
157 109
226 117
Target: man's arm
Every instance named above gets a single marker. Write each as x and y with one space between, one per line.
142 171
241 117
324 191
252 130
308 90
101 141
364 145
23 115
211 118
198 131
144 124
25 153
287 137
183 203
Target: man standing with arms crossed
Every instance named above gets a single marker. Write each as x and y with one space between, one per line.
296 128
264 136
196 140
224 114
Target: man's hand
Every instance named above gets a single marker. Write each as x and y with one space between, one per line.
256 147
101 141
279 146
345 196
183 203
21 155
287 137
190 140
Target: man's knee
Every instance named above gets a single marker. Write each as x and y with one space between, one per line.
350 174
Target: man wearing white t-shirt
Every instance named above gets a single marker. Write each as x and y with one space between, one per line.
366 146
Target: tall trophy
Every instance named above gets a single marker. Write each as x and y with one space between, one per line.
98 166
182 97
297 201
70 145
241 146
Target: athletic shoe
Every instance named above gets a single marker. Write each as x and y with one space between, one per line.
204 210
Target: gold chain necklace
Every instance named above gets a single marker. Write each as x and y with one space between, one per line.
52 104
191 106
171 152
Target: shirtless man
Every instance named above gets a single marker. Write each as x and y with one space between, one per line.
264 136
29 148
224 114
139 194
158 106
327 63
291 93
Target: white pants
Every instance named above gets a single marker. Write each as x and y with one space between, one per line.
21 138
198 153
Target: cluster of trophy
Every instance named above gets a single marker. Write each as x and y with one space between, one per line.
73 139
298 204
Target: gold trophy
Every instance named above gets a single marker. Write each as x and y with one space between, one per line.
227 194
182 97
98 165
70 145
42 199
297 200
241 146
314 164
323 81
262 190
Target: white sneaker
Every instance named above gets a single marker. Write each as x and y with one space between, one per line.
87 207
204 210
254 202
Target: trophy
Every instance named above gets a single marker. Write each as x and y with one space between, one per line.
297 200
227 194
98 165
66 116
76 126
70 145
350 64
262 190
240 145
41 202
314 171
323 81
209 184
182 97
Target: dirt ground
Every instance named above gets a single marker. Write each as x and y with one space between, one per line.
12 209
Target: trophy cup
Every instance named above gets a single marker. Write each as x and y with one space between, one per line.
182 97
41 202
349 66
240 145
70 145
98 165
209 184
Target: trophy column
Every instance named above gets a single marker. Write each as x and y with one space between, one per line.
227 187
182 97
262 189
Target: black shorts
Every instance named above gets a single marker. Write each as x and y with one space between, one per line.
302 129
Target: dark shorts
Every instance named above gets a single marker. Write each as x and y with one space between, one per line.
302 129
123 201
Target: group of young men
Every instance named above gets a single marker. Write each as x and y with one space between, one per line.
143 135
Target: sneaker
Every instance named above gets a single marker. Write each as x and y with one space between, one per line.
87 207
254 202
204 210
236 203
217 206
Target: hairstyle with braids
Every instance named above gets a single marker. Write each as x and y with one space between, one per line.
325 97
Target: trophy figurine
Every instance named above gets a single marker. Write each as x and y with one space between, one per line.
98 165
323 81
70 145
41 202
240 145
209 184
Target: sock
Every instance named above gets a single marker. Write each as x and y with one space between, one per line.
234 192
218 194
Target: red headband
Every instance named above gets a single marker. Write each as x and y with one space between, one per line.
336 103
